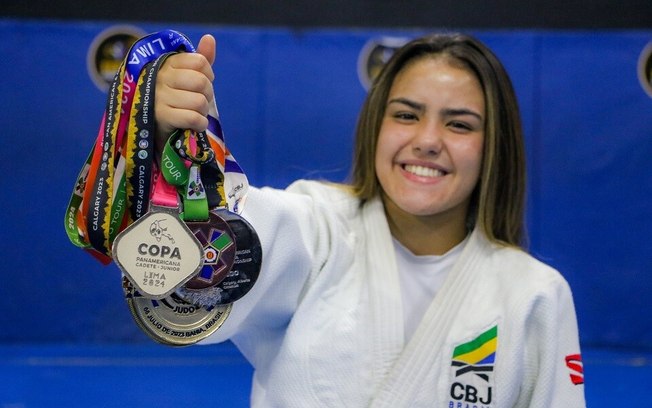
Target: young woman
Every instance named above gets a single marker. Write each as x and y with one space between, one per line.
408 287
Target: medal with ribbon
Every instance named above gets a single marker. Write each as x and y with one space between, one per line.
173 228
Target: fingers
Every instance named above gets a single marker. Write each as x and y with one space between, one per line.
191 61
186 80
184 90
180 109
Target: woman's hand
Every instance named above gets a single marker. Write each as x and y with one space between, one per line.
184 91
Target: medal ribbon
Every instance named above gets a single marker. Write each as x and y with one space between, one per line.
185 173
113 188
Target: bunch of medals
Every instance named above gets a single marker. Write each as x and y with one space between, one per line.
173 228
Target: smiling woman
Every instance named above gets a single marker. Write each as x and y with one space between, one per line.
410 282
430 153
480 91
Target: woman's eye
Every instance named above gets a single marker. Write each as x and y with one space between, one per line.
461 126
405 115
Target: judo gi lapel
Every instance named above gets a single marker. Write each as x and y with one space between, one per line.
406 378
385 305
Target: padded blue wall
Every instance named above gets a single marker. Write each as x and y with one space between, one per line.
289 101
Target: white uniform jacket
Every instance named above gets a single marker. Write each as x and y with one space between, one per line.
323 326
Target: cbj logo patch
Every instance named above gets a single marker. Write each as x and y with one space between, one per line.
472 366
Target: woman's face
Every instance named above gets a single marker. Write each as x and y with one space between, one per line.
429 151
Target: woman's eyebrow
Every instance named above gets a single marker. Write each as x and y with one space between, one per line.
460 112
412 104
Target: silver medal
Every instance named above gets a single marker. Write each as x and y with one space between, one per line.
158 252
173 321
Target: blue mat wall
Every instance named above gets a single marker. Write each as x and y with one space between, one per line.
289 101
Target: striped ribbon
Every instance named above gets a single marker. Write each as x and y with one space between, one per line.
114 187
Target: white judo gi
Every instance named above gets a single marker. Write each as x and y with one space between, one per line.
323 326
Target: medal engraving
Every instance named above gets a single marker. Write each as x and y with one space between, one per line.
158 253
171 320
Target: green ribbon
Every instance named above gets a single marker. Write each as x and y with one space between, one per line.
187 180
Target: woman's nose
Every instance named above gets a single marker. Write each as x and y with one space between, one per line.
428 140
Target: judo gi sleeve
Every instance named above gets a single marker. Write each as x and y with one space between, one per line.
560 381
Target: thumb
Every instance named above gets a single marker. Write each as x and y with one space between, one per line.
206 47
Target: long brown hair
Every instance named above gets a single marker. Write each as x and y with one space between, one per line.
498 201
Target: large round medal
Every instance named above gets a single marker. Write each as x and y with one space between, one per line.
172 320
244 273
